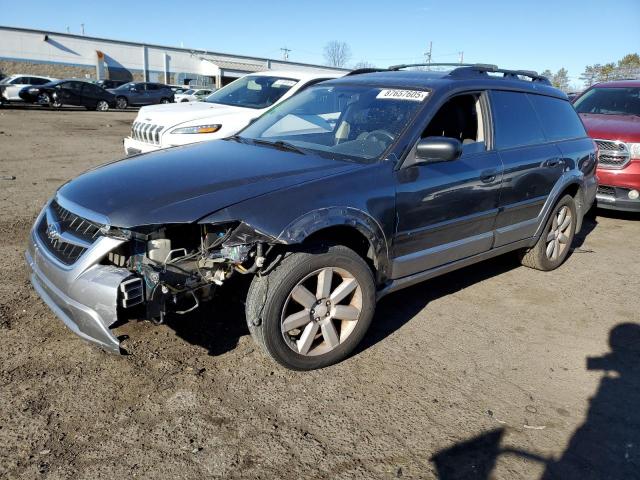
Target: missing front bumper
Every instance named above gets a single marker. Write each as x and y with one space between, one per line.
85 296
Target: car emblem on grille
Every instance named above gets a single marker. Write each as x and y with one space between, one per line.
53 231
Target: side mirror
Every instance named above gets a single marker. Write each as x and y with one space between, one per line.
133 89
437 149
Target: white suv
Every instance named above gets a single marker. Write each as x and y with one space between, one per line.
222 114
10 87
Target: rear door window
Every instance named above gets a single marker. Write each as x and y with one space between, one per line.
558 117
38 81
514 120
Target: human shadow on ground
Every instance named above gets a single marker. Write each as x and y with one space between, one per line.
605 446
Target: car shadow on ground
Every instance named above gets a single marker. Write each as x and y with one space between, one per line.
218 324
398 308
606 445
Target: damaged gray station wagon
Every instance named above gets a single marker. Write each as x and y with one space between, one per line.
348 191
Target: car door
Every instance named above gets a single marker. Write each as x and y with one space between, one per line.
532 165
12 91
137 95
90 95
446 211
153 93
66 93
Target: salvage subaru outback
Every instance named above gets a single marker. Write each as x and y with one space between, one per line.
350 190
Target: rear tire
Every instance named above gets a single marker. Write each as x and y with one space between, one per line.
43 99
555 241
122 103
164 101
102 106
297 313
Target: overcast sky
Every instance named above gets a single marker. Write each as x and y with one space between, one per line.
535 35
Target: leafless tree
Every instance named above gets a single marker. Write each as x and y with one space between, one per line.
337 54
364 64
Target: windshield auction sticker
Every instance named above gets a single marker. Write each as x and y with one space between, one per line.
413 95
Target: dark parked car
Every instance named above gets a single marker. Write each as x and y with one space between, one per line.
70 92
142 93
350 190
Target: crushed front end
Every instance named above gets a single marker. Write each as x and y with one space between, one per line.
93 275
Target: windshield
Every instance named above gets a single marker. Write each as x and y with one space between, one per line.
610 101
349 121
6 80
188 92
252 91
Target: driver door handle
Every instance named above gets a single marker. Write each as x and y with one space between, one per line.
488 176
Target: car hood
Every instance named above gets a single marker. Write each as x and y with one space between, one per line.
612 127
175 113
183 184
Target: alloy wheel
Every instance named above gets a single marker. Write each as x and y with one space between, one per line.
560 233
43 99
317 323
102 106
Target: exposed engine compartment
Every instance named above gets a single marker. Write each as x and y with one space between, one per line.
175 267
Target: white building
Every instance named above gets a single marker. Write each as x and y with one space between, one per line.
64 55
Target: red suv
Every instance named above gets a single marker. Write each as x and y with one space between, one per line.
611 113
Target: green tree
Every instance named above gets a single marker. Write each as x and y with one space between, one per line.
590 75
561 79
629 66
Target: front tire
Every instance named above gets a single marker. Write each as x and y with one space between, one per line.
55 102
122 103
164 101
313 309
553 245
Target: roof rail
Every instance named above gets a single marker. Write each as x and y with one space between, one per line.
512 74
359 71
409 65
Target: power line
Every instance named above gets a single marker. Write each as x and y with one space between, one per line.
285 53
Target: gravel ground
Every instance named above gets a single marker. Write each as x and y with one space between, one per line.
484 368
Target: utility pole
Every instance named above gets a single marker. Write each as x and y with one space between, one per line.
285 53
461 57
427 55
82 28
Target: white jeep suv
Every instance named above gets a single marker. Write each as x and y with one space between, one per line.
222 114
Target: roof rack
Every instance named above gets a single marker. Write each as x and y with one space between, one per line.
511 74
462 70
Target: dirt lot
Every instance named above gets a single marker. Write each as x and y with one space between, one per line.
487 360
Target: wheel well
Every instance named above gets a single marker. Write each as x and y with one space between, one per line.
572 190
349 237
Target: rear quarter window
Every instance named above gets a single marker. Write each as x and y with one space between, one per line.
515 121
558 117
